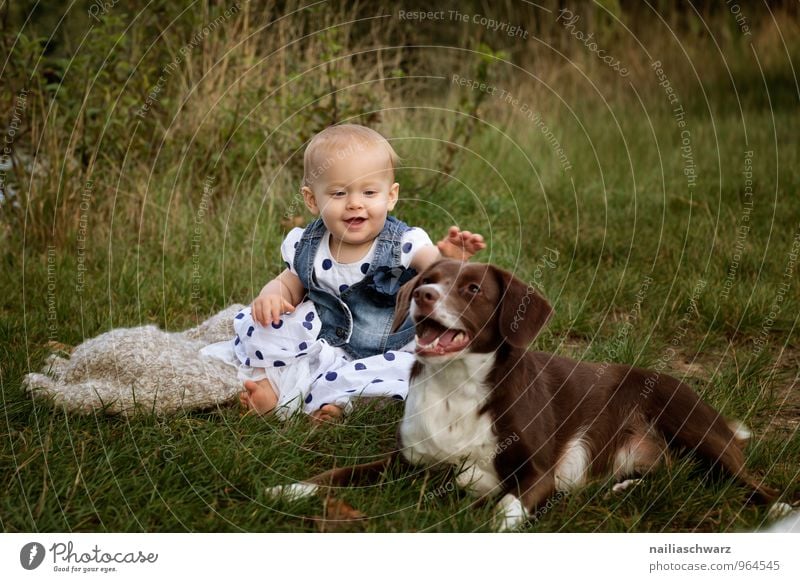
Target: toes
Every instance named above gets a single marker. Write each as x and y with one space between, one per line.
327 413
332 411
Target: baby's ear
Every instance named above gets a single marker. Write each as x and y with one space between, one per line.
394 194
310 200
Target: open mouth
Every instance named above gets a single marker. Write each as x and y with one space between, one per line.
434 339
355 222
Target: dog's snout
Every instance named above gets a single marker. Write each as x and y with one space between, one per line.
426 295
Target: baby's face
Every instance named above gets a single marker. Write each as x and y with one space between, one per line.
353 197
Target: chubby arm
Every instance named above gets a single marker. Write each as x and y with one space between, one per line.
458 244
278 296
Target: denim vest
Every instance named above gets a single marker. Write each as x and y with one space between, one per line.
360 319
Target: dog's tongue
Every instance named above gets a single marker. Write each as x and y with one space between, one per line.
445 339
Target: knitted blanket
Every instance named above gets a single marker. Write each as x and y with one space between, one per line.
141 370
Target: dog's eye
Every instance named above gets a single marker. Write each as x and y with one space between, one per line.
474 288
426 280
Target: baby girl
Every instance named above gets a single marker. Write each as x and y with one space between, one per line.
349 263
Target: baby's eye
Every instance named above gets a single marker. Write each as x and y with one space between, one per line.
340 193
370 193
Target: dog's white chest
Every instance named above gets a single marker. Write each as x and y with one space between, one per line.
441 423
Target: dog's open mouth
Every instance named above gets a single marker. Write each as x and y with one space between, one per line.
434 339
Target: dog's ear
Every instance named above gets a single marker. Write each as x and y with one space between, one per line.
523 310
403 302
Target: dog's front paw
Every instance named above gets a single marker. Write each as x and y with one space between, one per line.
509 513
623 486
292 492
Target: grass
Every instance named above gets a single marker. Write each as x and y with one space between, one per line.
648 272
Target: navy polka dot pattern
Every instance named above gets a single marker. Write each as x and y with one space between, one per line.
307 371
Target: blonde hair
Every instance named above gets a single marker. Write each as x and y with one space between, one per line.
336 142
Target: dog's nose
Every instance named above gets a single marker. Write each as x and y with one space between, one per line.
426 295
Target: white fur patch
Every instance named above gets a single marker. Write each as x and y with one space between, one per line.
441 421
509 513
625 485
778 510
439 311
294 491
789 521
740 431
573 465
624 461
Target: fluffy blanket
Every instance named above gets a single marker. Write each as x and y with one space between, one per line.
141 370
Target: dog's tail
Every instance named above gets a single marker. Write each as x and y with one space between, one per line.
363 474
686 420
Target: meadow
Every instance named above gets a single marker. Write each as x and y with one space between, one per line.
153 170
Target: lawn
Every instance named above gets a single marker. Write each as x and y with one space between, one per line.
662 240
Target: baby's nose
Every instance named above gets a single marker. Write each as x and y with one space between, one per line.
355 200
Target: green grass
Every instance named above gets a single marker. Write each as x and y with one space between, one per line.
640 279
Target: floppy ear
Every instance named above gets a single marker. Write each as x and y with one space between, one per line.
523 311
403 302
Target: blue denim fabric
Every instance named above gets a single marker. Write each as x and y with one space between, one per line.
360 319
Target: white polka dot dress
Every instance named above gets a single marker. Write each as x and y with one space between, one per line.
310 373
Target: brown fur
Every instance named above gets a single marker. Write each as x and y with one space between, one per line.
548 400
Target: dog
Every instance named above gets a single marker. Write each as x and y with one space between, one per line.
524 426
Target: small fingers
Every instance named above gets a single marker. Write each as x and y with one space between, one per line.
276 313
256 311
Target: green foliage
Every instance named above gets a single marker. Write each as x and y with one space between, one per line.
161 201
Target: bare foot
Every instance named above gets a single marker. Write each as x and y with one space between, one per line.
328 413
258 396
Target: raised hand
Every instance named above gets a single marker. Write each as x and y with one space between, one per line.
460 244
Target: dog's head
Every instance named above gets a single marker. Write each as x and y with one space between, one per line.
459 307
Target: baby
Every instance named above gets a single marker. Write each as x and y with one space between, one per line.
349 264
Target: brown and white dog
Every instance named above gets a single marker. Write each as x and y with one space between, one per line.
525 425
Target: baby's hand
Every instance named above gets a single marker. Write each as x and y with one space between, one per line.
460 244
267 308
